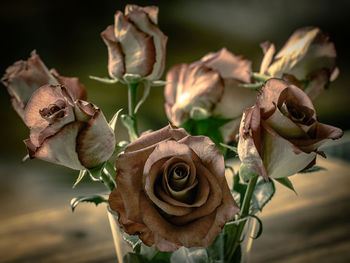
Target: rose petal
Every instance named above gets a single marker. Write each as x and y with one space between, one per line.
269 50
152 11
59 148
143 21
155 137
116 66
72 84
281 158
96 142
319 81
138 47
229 65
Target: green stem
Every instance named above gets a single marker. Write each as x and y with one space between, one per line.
132 89
245 210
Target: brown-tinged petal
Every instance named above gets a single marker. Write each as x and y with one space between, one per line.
153 138
172 82
151 11
138 47
281 158
318 82
116 66
307 49
96 142
269 50
229 65
143 21
73 85
249 144
59 148
23 78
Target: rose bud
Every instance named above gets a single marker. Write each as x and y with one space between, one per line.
24 77
280 134
307 60
212 84
135 43
171 190
72 133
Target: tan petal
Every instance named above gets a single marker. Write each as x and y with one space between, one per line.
152 11
116 66
23 78
144 21
281 158
72 84
269 50
229 65
249 144
153 138
318 82
96 142
60 148
138 47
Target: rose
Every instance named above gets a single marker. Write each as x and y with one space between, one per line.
280 134
171 190
213 85
135 43
24 77
308 60
72 133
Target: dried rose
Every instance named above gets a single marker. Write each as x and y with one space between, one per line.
72 133
212 84
135 43
25 77
308 60
171 190
280 134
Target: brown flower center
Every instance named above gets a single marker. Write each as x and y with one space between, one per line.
53 111
298 113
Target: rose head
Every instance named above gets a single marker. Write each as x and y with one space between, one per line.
25 77
171 190
307 57
135 43
213 84
72 133
280 134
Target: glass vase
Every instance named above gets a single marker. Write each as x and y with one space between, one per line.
130 248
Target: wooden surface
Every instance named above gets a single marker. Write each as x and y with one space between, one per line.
37 225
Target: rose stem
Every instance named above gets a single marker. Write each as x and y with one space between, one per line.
132 88
245 209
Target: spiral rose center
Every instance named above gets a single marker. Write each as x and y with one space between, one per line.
53 111
298 113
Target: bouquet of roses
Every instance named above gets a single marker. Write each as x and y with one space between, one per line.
168 188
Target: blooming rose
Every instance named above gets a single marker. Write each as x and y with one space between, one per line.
69 132
24 77
212 84
308 56
135 43
171 190
280 134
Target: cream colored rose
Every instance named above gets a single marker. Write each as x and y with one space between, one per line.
308 56
135 43
171 190
68 132
25 77
213 85
279 136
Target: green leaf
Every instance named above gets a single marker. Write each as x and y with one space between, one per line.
313 169
286 182
82 173
146 91
230 232
260 226
190 255
96 199
263 192
129 123
104 80
113 121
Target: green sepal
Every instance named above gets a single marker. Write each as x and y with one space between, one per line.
112 123
312 169
81 175
96 199
105 80
286 182
95 173
129 123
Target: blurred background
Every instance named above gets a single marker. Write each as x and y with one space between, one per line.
66 34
